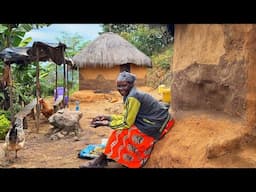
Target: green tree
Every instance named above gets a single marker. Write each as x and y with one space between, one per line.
149 39
12 35
167 31
74 43
119 28
155 40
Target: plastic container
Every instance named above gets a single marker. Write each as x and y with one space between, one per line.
77 106
160 89
60 92
166 92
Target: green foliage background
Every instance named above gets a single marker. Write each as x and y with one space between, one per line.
4 126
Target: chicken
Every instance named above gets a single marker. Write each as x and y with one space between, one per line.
45 109
15 138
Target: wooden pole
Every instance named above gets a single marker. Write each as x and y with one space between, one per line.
64 84
11 92
64 78
37 91
56 81
67 86
72 78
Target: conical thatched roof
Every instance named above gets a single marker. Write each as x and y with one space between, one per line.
110 49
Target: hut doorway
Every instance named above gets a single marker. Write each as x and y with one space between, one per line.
125 67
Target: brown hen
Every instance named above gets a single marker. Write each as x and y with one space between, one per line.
45 109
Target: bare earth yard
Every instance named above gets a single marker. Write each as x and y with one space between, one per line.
186 141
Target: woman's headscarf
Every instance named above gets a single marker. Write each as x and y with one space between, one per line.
126 76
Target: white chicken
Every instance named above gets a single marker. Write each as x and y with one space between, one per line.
15 138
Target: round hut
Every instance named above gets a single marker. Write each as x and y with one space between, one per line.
103 59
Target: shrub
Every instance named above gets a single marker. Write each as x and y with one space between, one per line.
4 126
7 114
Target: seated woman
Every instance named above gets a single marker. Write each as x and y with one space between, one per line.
143 122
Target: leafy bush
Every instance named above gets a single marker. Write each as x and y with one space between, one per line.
164 59
7 114
161 72
4 126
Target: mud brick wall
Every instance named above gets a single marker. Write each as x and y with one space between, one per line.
214 69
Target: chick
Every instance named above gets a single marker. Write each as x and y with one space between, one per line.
15 138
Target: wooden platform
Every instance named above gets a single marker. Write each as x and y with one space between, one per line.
26 110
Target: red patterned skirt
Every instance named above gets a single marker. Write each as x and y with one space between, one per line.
130 147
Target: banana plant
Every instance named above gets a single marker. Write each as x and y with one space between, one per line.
12 35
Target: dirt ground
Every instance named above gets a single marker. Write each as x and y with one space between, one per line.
183 146
205 140
41 152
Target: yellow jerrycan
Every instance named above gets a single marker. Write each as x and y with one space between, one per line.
166 92
160 89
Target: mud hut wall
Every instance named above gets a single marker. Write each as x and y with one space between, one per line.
141 74
209 68
98 78
104 79
250 55
197 43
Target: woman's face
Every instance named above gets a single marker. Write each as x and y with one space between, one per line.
124 87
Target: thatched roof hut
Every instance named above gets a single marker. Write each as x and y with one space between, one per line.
105 57
110 49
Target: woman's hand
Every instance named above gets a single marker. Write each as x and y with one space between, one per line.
95 124
101 118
